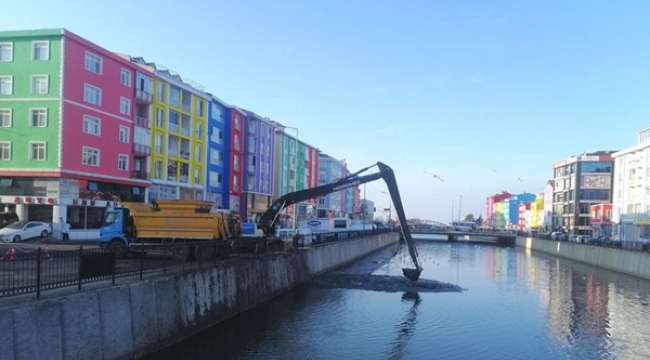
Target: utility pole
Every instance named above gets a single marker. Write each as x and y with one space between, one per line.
460 203
452 211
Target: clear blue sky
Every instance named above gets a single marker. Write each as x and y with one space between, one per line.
455 88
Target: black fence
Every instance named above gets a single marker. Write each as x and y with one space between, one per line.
37 270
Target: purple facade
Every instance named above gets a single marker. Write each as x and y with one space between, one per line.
259 165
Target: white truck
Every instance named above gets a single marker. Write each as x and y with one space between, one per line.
325 225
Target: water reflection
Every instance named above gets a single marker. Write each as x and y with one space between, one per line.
405 328
519 304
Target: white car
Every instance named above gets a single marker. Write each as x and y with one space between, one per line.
25 229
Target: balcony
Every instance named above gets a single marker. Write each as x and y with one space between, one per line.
141 150
142 121
140 174
143 96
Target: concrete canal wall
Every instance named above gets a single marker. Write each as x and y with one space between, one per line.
629 262
132 320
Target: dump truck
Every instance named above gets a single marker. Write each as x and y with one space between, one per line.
180 224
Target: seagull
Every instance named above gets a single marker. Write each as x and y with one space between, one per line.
434 176
519 179
493 169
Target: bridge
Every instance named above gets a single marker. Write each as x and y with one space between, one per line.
426 225
497 238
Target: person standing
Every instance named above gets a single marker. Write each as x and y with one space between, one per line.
65 228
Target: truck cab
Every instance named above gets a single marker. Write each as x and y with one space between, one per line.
117 229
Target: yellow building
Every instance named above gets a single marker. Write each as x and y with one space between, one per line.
502 217
537 212
178 137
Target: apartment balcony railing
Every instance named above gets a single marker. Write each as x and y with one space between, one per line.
185 179
142 121
142 150
172 152
139 174
173 127
185 131
143 96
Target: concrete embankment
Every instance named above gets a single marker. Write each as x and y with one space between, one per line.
629 262
132 320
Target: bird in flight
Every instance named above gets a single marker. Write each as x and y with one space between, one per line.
519 179
434 176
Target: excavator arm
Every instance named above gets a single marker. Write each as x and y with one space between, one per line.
268 220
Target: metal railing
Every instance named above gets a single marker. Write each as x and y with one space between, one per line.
36 270
626 245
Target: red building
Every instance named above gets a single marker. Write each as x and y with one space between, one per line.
601 219
236 171
490 214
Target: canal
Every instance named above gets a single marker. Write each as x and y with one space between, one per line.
515 305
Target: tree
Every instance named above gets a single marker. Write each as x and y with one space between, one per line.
469 217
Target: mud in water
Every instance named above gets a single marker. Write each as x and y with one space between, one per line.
358 275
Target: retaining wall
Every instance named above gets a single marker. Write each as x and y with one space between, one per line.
132 320
629 262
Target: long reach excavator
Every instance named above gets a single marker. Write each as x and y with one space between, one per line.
268 220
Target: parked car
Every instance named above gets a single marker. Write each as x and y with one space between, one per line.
7 218
556 235
25 229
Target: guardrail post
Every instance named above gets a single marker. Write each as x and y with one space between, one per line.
114 265
38 274
81 249
165 254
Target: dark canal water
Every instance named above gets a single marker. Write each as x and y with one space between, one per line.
517 305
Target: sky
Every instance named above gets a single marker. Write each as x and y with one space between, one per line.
487 95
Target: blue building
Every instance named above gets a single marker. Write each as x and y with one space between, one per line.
334 204
218 163
513 206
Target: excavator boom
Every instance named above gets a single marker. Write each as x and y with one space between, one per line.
268 220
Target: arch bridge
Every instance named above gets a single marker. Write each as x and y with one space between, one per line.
428 225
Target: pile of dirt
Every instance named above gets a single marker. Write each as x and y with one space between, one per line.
383 283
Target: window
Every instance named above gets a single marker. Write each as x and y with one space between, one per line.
38 117
216 157
157 166
237 125
160 118
41 50
197 153
200 107
39 84
199 130
215 179
6 85
125 77
6 51
90 156
158 143
92 94
5 150
124 134
5 117
92 125
160 91
93 63
237 147
123 162
236 163
125 106
37 150
174 96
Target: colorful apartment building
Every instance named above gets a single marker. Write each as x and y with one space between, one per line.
536 220
218 159
490 210
70 109
178 136
547 222
513 203
236 122
524 215
259 161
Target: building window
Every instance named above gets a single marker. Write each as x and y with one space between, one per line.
160 118
174 96
157 169
216 157
198 152
215 179
5 117
41 50
5 150
199 130
38 117
92 125
92 94
125 106
236 163
6 52
197 176
39 84
158 143
6 85
160 91
125 77
90 156
237 146
124 134
37 150
200 107
93 63
237 124
123 162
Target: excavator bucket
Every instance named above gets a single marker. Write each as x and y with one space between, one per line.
412 274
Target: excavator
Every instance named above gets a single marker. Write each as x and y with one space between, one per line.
268 219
